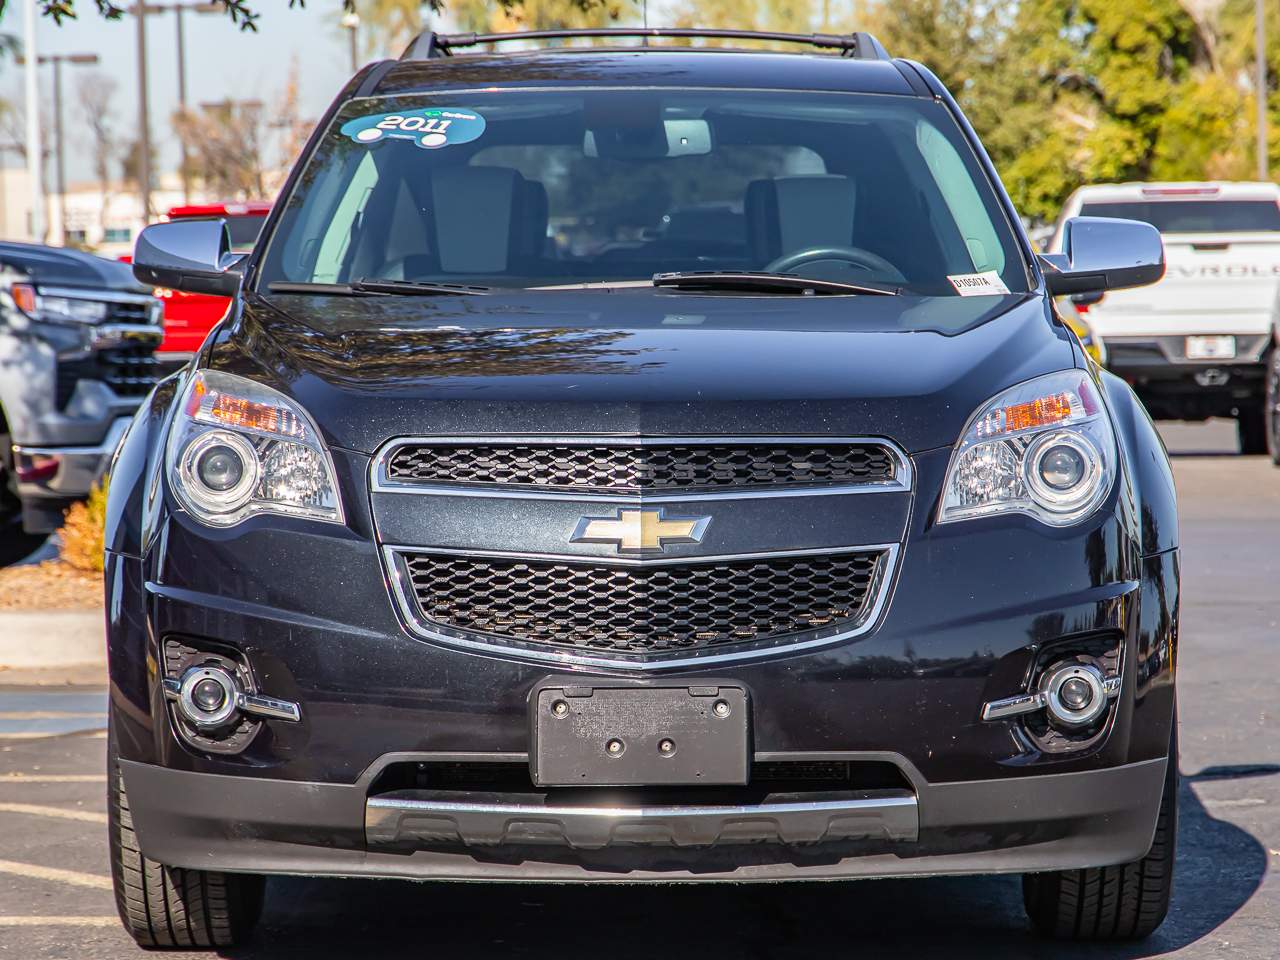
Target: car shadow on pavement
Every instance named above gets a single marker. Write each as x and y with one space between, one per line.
1219 868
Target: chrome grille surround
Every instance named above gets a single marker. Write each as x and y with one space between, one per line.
395 554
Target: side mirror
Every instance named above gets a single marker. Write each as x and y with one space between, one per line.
1100 253
193 256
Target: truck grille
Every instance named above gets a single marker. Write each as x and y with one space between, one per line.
130 370
642 610
643 467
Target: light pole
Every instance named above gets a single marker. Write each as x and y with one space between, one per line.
178 10
35 178
59 142
1260 56
351 23
144 116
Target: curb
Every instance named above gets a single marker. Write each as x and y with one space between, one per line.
52 639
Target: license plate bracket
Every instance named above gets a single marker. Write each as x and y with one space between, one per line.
1215 347
631 735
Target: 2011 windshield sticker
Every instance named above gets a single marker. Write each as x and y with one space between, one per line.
430 128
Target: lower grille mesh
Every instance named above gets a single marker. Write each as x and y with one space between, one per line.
642 610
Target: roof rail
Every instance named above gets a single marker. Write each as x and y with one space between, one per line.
860 46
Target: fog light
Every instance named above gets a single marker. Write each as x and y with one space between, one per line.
209 697
206 696
1074 694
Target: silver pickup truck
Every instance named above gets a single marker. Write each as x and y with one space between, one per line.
77 341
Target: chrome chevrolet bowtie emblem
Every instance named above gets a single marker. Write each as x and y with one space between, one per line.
640 530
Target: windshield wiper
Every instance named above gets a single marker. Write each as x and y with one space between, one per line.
332 289
416 288
749 282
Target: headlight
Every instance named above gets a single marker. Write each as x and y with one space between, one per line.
237 448
1044 447
57 309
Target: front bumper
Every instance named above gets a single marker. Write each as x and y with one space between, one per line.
1049 822
309 607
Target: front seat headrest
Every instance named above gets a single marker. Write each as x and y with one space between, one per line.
787 214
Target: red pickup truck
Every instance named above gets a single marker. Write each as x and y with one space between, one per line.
188 317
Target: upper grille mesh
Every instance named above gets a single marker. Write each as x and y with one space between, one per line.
638 468
641 610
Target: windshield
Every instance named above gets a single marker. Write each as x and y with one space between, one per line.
566 187
1194 216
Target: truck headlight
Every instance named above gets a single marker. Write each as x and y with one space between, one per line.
238 448
1044 448
43 307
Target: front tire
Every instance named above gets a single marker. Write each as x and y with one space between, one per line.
1124 902
1251 428
169 907
1272 409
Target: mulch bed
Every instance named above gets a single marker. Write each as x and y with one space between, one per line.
52 585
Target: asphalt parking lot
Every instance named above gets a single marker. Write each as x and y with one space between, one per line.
55 897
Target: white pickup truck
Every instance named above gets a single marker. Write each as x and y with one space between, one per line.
1198 343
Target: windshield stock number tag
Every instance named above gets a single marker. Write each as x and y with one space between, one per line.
978 284
429 128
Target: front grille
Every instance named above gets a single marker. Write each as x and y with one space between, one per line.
130 370
644 467
129 311
642 610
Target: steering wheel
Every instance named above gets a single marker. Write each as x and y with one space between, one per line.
858 257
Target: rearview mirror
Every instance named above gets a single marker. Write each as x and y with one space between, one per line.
193 256
1101 253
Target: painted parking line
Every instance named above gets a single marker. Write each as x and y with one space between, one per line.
27 716
62 702
59 921
73 877
53 778
57 813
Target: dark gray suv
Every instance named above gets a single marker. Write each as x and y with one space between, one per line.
77 340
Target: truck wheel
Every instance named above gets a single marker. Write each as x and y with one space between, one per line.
167 907
1125 902
1273 406
1251 427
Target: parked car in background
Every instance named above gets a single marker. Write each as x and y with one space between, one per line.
825 554
1198 344
188 317
78 336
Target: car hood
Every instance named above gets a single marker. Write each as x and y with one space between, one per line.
61 267
642 363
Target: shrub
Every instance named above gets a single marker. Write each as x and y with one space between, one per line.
82 531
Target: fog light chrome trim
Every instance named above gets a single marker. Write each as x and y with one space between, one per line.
253 704
1051 688
180 691
1106 690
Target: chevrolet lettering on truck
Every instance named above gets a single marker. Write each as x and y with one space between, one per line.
644 464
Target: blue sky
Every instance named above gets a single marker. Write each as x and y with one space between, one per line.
221 62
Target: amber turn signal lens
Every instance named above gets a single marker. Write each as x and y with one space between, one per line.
249 415
1043 412
24 298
